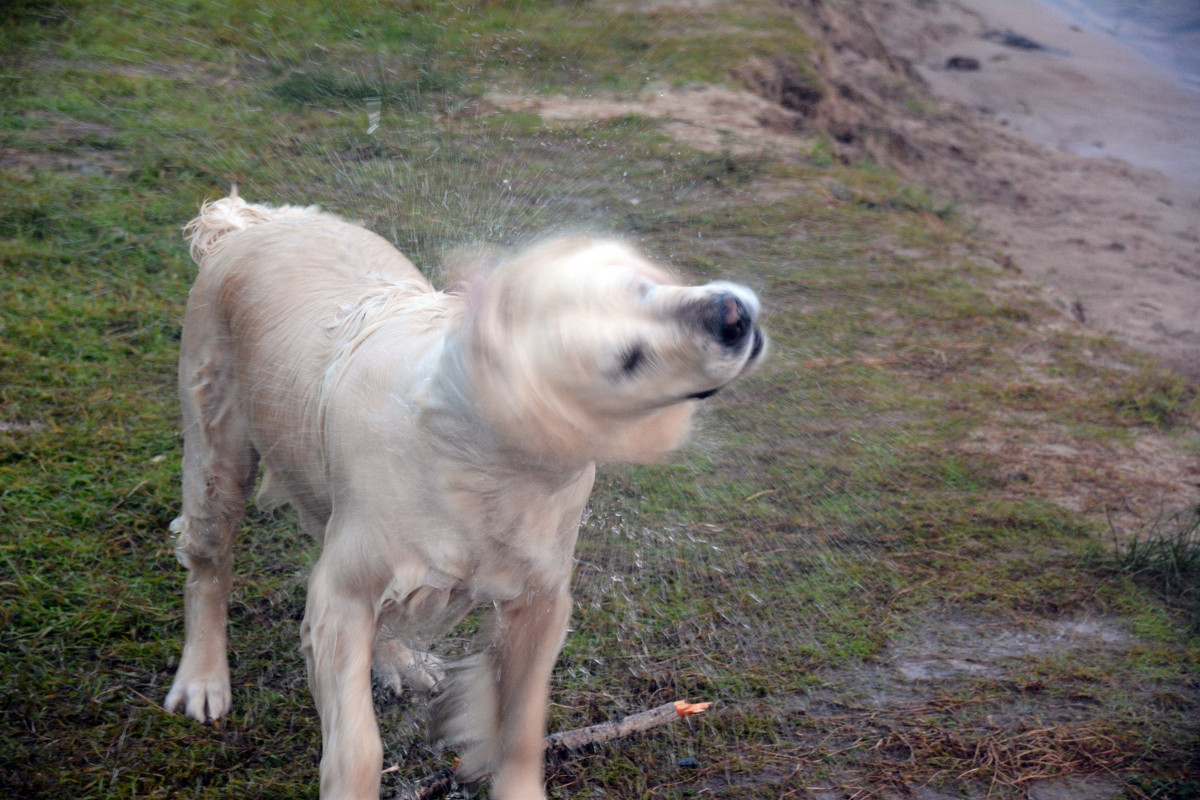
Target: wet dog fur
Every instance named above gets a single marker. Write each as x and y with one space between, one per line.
440 447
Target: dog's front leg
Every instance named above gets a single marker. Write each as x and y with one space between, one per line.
534 628
336 637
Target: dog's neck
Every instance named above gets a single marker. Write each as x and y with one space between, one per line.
456 415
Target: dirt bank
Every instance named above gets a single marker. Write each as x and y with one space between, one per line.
1116 246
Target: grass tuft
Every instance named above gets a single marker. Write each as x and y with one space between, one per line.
1161 400
424 86
1164 556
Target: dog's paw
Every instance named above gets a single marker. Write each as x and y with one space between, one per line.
202 699
465 716
424 671
396 666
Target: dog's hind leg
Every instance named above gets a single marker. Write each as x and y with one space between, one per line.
219 467
336 638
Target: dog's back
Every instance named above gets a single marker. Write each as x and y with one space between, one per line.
283 296
289 267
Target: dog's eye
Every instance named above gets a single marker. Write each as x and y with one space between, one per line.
632 357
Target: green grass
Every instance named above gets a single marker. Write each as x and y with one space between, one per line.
1164 557
826 517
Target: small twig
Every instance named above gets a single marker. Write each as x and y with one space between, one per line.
442 781
607 731
121 500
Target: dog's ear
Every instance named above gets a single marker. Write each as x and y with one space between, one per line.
465 268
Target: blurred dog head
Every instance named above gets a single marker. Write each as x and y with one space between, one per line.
581 349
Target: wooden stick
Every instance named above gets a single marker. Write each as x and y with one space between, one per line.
442 781
615 729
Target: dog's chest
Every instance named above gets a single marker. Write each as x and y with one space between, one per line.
482 547
513 535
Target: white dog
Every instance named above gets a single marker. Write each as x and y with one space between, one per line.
440 446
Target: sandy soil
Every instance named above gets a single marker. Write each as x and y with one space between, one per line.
1083 91
710 118
1117 246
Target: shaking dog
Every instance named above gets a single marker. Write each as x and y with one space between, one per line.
441 447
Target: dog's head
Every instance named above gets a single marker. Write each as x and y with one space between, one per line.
582 349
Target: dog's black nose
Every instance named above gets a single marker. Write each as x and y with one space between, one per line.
731 322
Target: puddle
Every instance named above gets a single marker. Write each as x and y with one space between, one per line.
974 647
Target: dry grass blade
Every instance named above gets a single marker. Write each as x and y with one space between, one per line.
902 743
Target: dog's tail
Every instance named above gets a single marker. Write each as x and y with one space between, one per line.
221 217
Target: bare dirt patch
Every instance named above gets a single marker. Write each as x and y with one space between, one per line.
968 690
962 646
1127 482
87 161
710 118
71 145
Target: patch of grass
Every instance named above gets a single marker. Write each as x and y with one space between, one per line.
25 22
1160 400
912 198
1164 556
324 87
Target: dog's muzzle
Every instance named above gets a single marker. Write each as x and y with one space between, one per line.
729 319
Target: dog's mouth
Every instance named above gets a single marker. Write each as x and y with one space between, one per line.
756 348
757 345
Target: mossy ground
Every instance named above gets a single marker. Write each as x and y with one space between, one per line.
826 525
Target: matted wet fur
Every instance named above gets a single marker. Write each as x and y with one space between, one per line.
440 446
